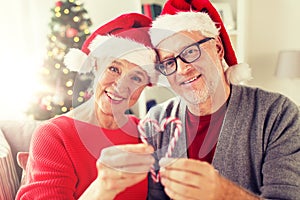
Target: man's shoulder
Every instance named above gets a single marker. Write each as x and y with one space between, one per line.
165 108
257 92
261 97
165 104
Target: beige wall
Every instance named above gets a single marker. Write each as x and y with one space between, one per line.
102 11
273 25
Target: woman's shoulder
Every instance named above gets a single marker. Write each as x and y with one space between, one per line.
60 122
58 127
134 119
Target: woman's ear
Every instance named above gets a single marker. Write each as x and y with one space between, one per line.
220 48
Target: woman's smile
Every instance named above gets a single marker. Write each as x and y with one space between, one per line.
114 97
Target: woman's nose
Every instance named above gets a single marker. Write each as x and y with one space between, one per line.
122 84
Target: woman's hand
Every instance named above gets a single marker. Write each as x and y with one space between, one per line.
119 167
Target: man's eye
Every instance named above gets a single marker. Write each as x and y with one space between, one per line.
189 51
114 69
169 63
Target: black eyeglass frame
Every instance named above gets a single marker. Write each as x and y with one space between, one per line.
157 66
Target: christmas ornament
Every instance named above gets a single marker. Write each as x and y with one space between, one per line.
58 4
71 32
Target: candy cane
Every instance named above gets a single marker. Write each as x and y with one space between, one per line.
161 128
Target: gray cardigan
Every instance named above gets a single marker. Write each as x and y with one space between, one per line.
258 146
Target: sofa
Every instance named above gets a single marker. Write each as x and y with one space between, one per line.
15 138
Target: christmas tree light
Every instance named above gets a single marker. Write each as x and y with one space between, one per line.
69 29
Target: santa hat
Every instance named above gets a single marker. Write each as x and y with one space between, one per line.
125 37
198 15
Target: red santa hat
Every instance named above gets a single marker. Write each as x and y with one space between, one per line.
199 15
125 37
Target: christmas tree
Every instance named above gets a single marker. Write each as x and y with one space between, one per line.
69 29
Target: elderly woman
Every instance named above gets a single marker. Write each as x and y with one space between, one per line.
63 161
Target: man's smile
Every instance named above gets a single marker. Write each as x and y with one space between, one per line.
191 80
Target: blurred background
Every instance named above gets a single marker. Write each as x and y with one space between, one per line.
35 35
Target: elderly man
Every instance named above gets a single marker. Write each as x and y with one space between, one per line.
236 142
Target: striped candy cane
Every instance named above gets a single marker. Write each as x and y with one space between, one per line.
161 128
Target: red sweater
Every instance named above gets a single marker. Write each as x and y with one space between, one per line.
63 155
203 133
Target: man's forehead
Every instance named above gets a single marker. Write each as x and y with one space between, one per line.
179 40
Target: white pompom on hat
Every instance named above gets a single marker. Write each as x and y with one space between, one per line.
125 37
198 15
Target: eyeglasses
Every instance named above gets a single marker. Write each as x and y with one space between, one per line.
188 55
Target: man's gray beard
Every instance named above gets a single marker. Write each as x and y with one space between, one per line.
196 97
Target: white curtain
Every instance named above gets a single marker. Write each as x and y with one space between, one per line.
23 42
23 31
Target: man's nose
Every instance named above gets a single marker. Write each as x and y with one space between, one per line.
182 67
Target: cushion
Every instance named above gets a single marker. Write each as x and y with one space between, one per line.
18 134
22 158
8 174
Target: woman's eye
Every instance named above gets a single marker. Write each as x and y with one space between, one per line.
114 69
137 79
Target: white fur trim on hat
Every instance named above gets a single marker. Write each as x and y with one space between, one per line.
103 47
128 49
166 25
74 60
239 73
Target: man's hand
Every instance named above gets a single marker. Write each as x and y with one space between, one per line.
190 179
